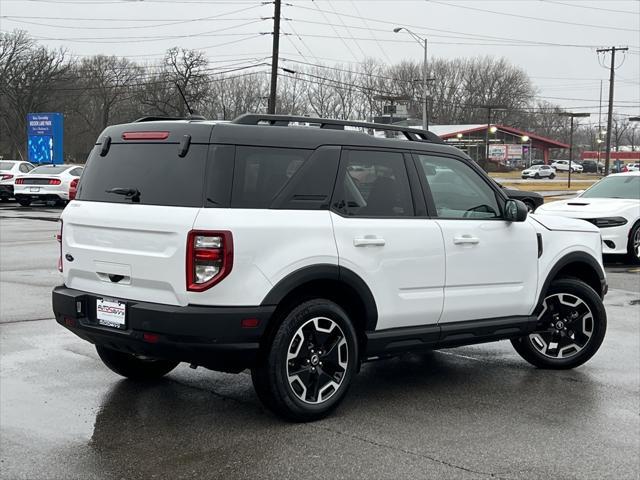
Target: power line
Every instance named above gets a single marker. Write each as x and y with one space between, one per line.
346 28
382 49
527 17
591 8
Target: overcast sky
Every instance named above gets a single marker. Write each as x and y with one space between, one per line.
555 42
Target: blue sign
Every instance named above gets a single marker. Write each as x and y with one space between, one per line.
45 138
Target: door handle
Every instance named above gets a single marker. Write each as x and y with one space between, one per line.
466 239
369 242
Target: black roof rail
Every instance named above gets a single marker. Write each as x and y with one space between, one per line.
155 118
413 134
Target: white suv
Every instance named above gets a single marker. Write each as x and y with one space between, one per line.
302 252
563 166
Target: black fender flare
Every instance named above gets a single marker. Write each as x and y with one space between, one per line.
326 272
574 257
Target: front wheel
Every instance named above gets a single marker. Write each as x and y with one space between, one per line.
552 176
633 247
306 370
135 367
537 175
572 322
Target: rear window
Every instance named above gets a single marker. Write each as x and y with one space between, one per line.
154 171
261 173
6 165
50 170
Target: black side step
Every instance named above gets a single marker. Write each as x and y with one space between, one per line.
431 337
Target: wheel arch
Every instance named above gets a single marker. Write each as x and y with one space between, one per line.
333 282
579 265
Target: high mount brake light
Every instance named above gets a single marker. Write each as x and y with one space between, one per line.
145 135
209 258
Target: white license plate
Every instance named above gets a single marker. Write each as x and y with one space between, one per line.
34 189
111 313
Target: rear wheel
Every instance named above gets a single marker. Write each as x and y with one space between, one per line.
135 367
552 176
306 370
633 247
572 322
537 175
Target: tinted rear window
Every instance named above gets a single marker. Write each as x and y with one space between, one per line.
50 170
261 173
154 170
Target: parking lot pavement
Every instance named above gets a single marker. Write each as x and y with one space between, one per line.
472 412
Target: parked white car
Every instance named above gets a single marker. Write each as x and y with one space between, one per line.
49 183
613 205
9 170
539 171
631 167
563 166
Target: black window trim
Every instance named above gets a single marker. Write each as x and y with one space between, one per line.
404 153
501 197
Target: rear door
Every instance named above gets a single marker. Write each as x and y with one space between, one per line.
125 236
382 234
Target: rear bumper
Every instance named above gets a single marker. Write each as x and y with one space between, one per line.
42 192
211 337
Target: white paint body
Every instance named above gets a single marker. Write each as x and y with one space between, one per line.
420 271
61 190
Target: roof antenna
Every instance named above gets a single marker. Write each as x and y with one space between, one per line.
191 112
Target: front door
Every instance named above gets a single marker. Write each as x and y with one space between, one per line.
379 237
492 265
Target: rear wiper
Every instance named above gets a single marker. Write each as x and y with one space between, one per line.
132 193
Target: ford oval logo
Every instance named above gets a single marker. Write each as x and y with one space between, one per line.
69 257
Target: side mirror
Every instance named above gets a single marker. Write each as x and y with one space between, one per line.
515 211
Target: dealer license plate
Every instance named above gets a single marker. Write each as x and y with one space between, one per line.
111 313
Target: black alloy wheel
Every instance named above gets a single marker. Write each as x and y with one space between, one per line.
571 326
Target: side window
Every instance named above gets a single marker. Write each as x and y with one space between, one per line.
24 168
261 172
373 184
76 172
458 191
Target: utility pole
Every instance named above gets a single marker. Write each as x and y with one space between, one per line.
613 51
572 115
486 135
274 57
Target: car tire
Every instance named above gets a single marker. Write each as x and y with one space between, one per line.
135 367
561 341
24 202
633 246
537 176
552 176
290 378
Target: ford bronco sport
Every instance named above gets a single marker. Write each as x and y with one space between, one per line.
300 248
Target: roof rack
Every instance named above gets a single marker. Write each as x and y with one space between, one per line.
412 134
155 118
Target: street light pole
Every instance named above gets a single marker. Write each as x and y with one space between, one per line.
425 80
572 115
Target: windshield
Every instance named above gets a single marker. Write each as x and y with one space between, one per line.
624 186
6 165
535 167
50 170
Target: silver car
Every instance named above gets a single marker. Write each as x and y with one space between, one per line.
539 171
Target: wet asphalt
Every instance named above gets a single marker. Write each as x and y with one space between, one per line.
471 412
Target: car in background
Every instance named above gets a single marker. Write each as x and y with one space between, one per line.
9 170
611 204
592 166
48 183
539 171
563 166
631 167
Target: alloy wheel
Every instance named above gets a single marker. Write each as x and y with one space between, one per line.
317 360
567 326
636 243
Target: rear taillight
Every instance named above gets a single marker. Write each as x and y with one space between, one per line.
59 239
73 189
209 258
55 181
7 177
20 181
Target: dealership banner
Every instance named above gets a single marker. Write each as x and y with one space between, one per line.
45 138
